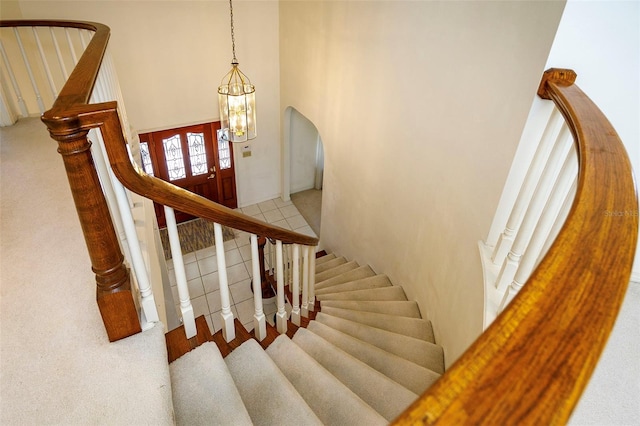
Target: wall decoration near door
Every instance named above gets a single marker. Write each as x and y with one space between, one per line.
192 158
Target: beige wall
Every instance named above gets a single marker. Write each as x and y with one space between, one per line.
420 106
171 57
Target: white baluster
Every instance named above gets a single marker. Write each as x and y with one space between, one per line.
114 191
312 277
29 71
188 317
305 283
45 64
568 175
505 241
538 201
63 68
559 223
259 320
228 328
281 315
14 83
72 49
295 286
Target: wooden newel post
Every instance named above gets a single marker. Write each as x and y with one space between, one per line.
113 293
267 289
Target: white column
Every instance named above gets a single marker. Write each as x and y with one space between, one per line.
305 284
188 317
295 286
534 210
312 277
505 240
281 315
259 320
228 328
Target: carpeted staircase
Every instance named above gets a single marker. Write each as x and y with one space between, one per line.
367 355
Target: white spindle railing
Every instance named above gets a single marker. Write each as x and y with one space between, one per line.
14 83
311 287
56 45
559 194
305 283
281 314
107 89
27 63
228 328
295 286
534 210
534 217
524 195
259 319
186 309
45 63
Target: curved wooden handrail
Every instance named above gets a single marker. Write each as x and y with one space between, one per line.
76 93
106 117
79 85
533 363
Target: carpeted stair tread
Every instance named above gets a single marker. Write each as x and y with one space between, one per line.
327 257
374 281
330 264
340 269
354 274
394 293
268 396
406 373
330 399
203 390
417 328
384 395
420 352
407 309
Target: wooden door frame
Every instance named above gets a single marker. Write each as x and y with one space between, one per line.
225 182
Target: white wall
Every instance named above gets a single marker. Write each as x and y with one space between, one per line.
600 40
303 141
420 106
171 57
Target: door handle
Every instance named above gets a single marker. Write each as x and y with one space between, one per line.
211 176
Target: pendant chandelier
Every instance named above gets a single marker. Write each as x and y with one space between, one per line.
237 99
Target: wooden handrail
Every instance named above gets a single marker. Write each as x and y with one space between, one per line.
77 92
106 117
69 123
79 85
534 361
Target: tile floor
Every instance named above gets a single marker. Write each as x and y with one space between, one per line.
201 267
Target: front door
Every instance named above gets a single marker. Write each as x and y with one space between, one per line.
192 158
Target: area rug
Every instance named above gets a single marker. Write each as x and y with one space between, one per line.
194 235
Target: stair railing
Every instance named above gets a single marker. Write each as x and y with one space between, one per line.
96 190
533 362
82 46
165 193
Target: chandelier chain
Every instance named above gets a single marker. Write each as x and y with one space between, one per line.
233 38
